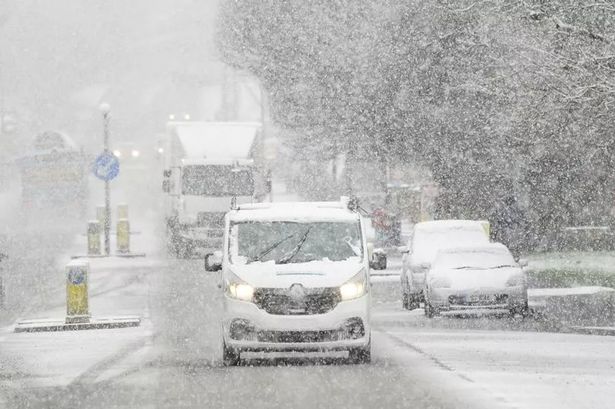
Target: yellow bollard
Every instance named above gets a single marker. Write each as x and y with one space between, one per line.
77 309
486 226
122 211
123 236
100 215
93 238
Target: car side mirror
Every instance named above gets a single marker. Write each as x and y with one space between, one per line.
213 261
166 186
403 249
378 260
523 262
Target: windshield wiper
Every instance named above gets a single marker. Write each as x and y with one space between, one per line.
289 256
504 265
270 248
467 267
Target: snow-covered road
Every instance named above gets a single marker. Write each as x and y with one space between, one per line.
171 360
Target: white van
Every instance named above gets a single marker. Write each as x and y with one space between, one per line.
295 277
426 239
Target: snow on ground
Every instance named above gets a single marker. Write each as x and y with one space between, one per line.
117 287
584 261
531 370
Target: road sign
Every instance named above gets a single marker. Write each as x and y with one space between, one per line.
106 166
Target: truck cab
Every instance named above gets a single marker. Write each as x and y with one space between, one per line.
209 166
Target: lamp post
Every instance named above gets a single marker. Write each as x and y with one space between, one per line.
106 110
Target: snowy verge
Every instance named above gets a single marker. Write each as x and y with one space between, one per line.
579 306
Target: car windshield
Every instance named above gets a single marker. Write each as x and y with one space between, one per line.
480 259
217 180
427 242
292 242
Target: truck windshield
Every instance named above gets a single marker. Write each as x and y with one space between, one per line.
217 180
294 242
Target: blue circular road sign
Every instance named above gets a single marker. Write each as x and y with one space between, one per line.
106 166
76 276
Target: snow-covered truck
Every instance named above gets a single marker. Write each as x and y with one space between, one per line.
207 166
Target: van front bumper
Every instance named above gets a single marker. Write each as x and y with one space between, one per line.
248 328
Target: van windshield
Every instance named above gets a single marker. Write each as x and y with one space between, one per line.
217 180
294 242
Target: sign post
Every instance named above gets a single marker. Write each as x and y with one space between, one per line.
106 168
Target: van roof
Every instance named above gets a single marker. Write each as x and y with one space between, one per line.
293 211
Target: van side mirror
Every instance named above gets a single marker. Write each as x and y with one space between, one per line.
213 261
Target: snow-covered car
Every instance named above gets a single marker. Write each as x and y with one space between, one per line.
426 239
295 278
474 279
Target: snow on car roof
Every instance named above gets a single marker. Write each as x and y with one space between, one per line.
438 225
294 211
483 248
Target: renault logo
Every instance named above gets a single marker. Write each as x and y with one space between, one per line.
297 292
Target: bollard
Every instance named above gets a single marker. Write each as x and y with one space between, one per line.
123 236
486 226
77 310
122 211
100 215
93 238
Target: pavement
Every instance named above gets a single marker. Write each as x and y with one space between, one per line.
172 359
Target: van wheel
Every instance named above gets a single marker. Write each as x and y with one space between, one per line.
361 355
230 357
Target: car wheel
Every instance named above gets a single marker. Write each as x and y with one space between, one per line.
230 357
361 355
523 310
430 311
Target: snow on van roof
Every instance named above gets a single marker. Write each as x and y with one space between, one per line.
294 211
217 139
437 225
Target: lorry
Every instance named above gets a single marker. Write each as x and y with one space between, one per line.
207 167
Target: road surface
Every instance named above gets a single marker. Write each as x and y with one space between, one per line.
172 359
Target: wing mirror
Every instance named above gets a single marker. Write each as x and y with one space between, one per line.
523 262
378 260
213 261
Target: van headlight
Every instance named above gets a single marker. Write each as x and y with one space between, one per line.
238 289
355 287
